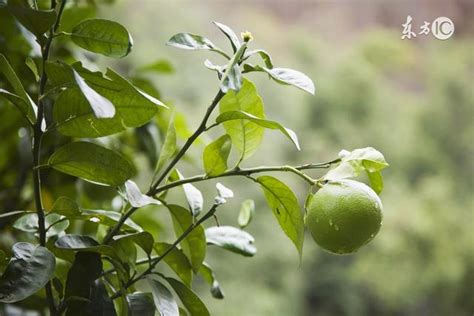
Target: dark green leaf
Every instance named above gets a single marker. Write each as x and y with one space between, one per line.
102 107
104 37
169 145
246 135
86 268
92 162
190 300
143 239
164 300
30 268
135 197
284 205
27 107
36 21
232 239
83 243
140 304
194 245
215 155
100 302
247 209
230 34
239 115
177 261
66 206
208 275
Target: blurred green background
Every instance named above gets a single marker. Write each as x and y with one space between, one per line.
411 99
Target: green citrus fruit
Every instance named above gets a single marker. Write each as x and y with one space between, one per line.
343 216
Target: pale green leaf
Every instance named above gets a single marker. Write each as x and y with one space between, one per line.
232 239
169 145
247 209
215 155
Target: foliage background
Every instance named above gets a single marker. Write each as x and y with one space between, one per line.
412 100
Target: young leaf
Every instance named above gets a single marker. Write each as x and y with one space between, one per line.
284 205
247 209
263 54
102 107
143 239
140 304
26 106
208 275
177 261
92 163
136 198
239 115
223 191
169 145
37 22
230 34
30 268
190 42
232 239
246 136
193 196
190 300
164 300
194 245
232 77
104 37
215 155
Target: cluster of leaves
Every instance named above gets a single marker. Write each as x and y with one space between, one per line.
97 273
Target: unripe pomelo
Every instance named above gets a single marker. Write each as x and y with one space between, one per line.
343 216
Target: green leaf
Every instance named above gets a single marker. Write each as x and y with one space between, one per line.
215 155
161 66
66 206
136 198
102 107
140 304
26 106
177 261
83 243
86 268
353 163
193 196
247 209
36 21
143 239
73 114
239 115
92 162
104 37
169 145
126 253
55 224
194 245
189 299
32 66
208 275
28 271
285 76
164 300
100 302
263 54
246 135
190 42
14 213
232 77
230 34
232 239
284 205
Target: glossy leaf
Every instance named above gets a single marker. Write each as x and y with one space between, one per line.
73 114
27 107
169 145
177 261
189 299
102 107
164 300
193 196
136 198
28 271
208 275
55 224
246 135
247 209
194 245
92 162
143 239
104 37
230 34
239 115
215 155
86 268
84 243
140 304
232 239
285 207
37 22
